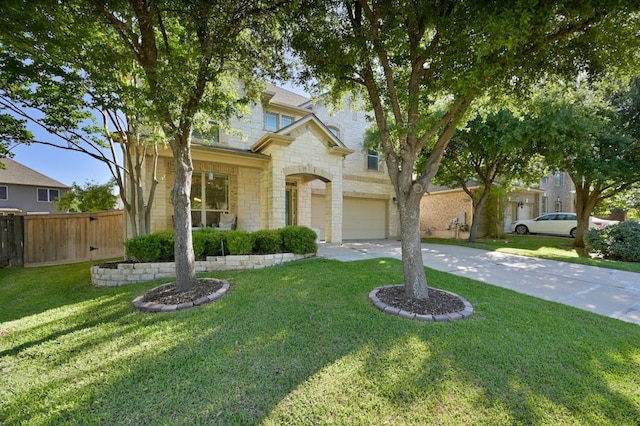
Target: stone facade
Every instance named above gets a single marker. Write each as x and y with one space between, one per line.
275 173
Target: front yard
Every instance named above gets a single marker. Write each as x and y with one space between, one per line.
302 344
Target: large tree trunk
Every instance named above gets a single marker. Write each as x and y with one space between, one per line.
180 197
478 208
415 279
585 202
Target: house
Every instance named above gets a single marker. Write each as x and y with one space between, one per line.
289 162
442 208
24 190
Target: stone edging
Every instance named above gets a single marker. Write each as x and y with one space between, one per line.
158 307
451 316
132 273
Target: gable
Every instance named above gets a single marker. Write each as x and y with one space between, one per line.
15 173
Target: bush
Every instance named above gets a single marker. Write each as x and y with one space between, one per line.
239 242
267 241
617 242
299 239
213 241
155 247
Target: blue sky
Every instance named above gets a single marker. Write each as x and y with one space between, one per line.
68 167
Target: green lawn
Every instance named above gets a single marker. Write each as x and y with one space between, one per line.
302 344
545 247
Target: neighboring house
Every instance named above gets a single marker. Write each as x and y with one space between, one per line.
441 206
289 162
23 190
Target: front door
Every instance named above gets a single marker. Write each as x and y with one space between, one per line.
291 204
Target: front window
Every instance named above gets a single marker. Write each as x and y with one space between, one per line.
285 120
211 136
335 131
545 204
373 160
558 206
557 179
48 195
4 193
209 198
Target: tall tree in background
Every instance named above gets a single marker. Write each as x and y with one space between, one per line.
595 139
497 149
185 57
91 197
420 65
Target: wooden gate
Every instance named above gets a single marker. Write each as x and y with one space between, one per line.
11 240
73 237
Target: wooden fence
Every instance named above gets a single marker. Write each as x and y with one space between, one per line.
66 238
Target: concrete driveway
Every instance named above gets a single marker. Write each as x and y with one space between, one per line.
608 292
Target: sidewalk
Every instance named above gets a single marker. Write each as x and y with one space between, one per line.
608 292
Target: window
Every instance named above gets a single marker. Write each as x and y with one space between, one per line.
557 179
48 195
545 205
4 193
373 160
285 120
271 122
209 198
558 205
335 131
212 136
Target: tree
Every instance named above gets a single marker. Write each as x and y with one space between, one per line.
421 64
497 149
595 140
92 197
57 79
184 57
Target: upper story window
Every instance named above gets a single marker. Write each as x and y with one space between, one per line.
557 179
4 193
285 120
211 136
271 122
373 160
48 195
334 130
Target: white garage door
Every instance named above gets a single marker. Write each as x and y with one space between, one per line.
363 219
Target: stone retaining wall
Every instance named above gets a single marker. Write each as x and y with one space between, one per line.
131 273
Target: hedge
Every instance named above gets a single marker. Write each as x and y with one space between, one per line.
615 242
158 246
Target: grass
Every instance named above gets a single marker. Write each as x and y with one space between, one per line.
545 247
301 344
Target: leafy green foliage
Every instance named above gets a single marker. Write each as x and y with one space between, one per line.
268 241
92 197
299 239
239 242
617 242
155 247
214 241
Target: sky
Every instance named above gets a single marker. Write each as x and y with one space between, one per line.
68 167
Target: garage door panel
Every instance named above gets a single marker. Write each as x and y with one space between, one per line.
363 219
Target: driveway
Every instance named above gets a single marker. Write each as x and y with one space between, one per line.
608 292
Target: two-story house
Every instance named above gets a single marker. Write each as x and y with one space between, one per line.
24 190
289 162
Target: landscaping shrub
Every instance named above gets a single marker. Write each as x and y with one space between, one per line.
199 241
267 241
617 242
213 240
299 239
238 242
155 247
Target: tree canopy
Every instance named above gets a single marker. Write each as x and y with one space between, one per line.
91 197
421 64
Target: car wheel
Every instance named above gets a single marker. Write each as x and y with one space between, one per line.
572 233
521 230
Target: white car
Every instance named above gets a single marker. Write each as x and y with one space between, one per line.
559 223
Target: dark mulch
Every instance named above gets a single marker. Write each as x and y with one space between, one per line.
167 294
438 303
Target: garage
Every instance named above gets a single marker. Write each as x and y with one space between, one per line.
363 218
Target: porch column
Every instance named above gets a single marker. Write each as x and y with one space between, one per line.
278 193
333 211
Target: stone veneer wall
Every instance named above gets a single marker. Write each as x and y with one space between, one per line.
131 273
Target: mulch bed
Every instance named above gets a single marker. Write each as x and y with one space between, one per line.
438 303
167 294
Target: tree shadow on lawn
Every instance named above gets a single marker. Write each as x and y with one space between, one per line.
301 343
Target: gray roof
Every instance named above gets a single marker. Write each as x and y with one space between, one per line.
15 173
286 97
